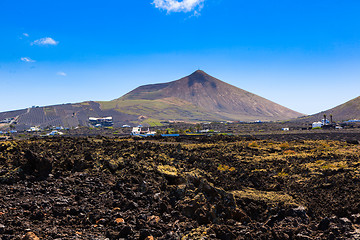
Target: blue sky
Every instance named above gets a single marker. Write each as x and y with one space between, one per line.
304 54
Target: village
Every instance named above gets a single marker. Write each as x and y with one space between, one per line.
104 126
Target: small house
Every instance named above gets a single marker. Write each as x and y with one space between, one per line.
317 124
138 131
34 129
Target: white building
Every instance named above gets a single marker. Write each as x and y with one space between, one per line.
136 131
54 132
317 124
34 129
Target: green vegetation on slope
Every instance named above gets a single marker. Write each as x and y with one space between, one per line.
161 109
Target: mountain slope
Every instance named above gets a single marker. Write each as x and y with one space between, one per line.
155 111
345 111
213 96
67 115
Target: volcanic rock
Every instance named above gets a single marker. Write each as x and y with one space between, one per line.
30 236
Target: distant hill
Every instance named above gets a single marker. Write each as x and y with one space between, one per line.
343 112
197 97
68 115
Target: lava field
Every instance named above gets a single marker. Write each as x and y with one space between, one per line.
217 187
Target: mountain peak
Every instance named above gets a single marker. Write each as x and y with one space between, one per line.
197 77
200 77
200 74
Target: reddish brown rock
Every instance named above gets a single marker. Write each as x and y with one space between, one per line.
30 236
119 220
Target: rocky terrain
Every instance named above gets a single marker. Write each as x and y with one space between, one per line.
216 187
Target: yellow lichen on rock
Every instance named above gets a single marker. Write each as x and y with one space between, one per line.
167 170
269 197
197 233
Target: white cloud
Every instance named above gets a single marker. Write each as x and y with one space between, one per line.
27 59
61 74
179 6
45 41
26 34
